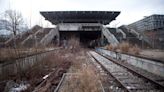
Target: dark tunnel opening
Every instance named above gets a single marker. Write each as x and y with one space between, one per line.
85 37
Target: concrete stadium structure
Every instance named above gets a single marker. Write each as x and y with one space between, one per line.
88 26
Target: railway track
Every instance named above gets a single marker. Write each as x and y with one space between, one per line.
108 81
20 64
132 67
51 82
130 80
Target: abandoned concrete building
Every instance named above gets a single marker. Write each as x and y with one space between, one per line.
86 26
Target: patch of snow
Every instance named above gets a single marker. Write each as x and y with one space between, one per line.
130 87
20 88
111 87
12 86
46 76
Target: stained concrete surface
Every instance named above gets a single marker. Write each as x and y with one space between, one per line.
156 54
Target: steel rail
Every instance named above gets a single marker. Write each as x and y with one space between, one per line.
132 71
124 87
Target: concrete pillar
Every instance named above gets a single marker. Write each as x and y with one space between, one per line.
102 38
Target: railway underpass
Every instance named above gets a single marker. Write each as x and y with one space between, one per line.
100 69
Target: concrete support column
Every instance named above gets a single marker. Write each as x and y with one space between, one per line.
102 38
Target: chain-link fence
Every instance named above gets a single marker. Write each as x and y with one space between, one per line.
145 43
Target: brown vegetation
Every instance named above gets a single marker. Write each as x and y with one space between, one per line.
74 45
57 61
55 65
84 80
83 76
135 50
125 47
111 47
7 54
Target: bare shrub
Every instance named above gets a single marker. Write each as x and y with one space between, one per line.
34 75
86 80
111 47
135 50
55 61
128 48
84 77
74 44
7 54
79 60
124 46
89 80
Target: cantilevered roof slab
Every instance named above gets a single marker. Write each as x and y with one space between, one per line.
103 17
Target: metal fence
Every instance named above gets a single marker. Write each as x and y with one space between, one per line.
145 43
20 65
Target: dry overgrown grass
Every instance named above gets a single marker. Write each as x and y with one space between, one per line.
6 54
89 81
135 50
125 47
74 44
49 64
86 80
111 47
84 77
34 75
11 53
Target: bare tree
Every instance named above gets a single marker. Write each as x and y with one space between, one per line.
15 20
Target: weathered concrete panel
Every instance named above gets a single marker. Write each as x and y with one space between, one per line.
148 65
22 64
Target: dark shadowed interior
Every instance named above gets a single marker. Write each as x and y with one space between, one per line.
85 37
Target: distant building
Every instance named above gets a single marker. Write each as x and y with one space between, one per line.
153 22
151 27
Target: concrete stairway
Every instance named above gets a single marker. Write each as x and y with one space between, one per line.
134 36
118 33
132 31
42 37
36 36
140 35
110 37
41 34
31 40
122 32
21 37
50 36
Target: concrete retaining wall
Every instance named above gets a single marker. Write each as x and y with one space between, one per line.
22 64
148 65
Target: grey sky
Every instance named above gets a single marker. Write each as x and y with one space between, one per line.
131 10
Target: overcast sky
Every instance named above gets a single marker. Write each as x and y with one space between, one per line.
131 10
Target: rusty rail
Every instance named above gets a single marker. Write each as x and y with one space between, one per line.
127 90
135 72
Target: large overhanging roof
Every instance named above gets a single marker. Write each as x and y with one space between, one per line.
103 17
